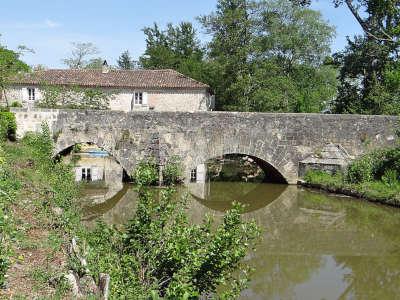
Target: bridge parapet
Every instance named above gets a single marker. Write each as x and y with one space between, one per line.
281 140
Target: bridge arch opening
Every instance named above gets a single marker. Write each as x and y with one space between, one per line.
93 164
237 167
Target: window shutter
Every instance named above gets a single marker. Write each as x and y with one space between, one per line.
145 98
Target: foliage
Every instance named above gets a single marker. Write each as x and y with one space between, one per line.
271 57
8 126
172 171
80 56
375 175
8 189
74 97
369 64
16 104
146 173
176 47
126 62
374 166
151 259
10 67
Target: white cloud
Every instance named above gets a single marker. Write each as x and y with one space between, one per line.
45 24
51 24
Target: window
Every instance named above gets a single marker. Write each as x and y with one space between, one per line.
86 174
138 98
31 94
193 175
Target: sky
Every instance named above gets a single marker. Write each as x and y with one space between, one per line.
49 26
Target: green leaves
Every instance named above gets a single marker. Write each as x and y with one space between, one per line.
161 255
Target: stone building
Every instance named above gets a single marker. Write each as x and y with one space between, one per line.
129 90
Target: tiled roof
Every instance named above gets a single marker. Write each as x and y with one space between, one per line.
158 79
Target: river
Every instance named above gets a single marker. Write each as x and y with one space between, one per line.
313 246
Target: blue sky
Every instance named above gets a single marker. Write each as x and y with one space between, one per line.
49 26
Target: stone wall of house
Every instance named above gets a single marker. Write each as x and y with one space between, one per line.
280 140
19 94
121 99
176 100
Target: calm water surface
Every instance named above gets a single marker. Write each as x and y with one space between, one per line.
314 246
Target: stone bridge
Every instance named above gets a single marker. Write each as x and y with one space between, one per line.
278 142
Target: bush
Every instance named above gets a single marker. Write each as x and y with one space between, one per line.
8 187
162 254
360 170
146 173
172 172
42 144
16 104
8 126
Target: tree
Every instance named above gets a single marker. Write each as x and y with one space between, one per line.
10 66
125 61
176 47
230 48
95 63
270 56
80 55
369 62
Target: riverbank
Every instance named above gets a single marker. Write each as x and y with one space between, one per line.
387 193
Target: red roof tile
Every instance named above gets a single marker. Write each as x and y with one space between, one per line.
158 79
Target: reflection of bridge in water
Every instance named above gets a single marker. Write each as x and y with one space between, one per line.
253 196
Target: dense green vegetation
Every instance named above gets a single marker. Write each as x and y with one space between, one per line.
375 176
369 65
147 259
263 56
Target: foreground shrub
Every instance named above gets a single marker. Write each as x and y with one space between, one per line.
161 254
8 189
146 173
8 126
173 171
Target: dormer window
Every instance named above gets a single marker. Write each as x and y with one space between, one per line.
31 94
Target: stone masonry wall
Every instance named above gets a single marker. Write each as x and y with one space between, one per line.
281 140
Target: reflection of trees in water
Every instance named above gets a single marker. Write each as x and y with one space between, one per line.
276 276
371 277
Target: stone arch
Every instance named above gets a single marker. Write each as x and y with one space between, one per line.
65 142
273 173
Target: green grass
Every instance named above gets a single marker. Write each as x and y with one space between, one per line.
379 191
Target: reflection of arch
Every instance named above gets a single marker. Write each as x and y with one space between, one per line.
253 195
272 173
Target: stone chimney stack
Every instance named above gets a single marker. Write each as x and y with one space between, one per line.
105 68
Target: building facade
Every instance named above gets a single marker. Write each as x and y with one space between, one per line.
128 90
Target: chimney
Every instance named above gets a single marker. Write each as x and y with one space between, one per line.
105 68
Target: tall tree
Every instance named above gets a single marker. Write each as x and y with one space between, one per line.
369 62
231 29
172 47
270 56
125 61
178 48
80 55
